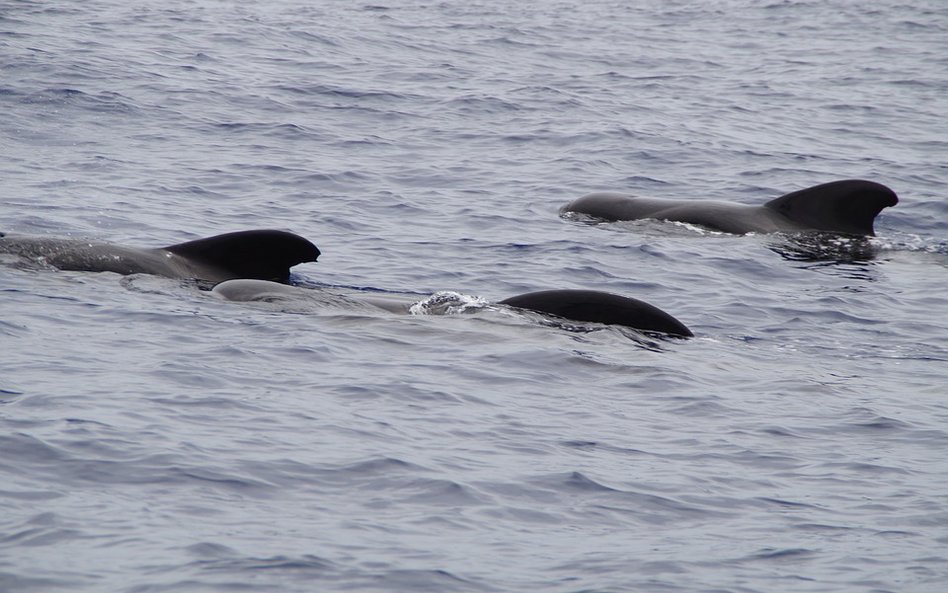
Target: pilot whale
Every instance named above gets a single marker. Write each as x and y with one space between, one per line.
847 207
600 307
255 266
572 305
260 254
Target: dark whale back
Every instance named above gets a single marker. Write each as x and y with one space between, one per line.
600 307
849 206
260 254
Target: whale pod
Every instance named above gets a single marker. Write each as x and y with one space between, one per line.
251 265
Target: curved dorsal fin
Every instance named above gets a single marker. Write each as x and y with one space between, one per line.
260 254
849 206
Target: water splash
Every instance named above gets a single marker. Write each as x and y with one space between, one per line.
446 302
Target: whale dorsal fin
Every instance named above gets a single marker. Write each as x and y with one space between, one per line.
848 206
260 254
600 307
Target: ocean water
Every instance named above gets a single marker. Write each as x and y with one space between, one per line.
156 438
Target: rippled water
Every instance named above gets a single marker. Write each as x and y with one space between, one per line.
154 437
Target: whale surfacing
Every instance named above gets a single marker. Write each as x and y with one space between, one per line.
571 305
600 307
259 254
846 207
255 266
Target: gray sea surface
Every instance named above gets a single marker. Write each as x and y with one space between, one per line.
157 438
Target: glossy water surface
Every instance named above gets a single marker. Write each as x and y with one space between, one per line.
155 438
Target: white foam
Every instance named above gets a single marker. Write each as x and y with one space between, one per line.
447 302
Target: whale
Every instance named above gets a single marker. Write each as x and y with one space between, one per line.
563 304
259 254
265 291
847 207
255 266
600 307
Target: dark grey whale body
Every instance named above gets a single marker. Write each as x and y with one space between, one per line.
260 254
572 305
255 266
600 307
848 207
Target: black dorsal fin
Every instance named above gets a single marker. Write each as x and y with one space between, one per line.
260 254
600 307
849 206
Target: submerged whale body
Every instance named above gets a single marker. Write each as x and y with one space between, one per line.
255 266
260 254
600 307
572 305
847 207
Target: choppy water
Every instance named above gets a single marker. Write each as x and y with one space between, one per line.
156 438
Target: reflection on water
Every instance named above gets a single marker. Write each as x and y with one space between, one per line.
847 256
825 248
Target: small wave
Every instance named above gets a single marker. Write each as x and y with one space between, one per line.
580 482
7 395
912 243
646 506
14 582
780 554
220 562
822 248
100 102
380 466
439 492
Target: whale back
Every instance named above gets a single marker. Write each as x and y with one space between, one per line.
849 206
258 254
600 307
